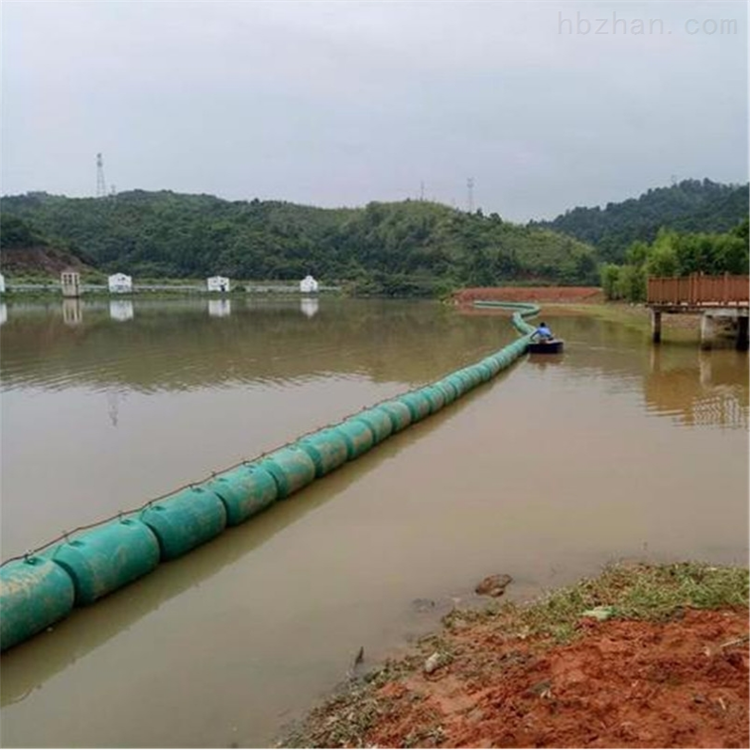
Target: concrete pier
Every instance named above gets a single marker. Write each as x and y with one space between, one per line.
656 326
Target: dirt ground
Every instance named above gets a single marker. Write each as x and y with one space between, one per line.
585 294
47 260
680 680
623 684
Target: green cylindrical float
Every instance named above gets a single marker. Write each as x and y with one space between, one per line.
359 436
245 491
106 558
291 467
460 382
471 376
450 390
435 396
417 403
378 420
400 414
35 593
493 365
327 448
483 370
185 520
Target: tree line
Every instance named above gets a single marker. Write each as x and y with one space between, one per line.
676 254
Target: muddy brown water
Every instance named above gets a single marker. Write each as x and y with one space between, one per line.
613 450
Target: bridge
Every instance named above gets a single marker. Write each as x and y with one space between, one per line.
719 299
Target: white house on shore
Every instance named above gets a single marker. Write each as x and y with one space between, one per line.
2 284
217 284
70 281
119 283
308 285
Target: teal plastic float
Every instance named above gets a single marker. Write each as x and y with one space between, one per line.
291 467
359 437
327 448
34 594
418 405
379 422
245 491
435 395
107 557
399 413
185 520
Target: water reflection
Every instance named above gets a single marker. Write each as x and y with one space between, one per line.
309 306
121 309
543 361
677 380
219 308
3 313
176 346
698 387
72 311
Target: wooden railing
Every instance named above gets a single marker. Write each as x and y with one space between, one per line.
698 290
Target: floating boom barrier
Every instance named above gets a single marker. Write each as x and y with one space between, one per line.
43 587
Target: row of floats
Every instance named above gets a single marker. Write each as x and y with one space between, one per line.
42 588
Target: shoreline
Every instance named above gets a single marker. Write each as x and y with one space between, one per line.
641 655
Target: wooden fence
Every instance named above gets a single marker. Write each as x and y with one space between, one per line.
698 290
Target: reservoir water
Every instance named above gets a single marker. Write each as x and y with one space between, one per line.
613 450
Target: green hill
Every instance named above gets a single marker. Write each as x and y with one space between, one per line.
689 206
411 247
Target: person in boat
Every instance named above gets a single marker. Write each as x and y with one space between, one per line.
543 333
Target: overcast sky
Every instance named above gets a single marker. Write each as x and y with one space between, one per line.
341 103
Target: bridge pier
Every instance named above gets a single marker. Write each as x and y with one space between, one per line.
742 334
732 318
708 331
655 326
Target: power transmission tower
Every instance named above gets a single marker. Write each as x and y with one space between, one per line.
421 190
101 188
470 186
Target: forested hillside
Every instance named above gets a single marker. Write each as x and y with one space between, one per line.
689 206
410 247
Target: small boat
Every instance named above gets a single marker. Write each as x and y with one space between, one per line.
555 346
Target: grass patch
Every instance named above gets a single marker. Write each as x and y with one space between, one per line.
633 592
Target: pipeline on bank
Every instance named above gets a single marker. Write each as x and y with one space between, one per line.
42 588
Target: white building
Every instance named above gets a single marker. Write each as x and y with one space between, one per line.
217 284
2 284
70 281
308 284
120 283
